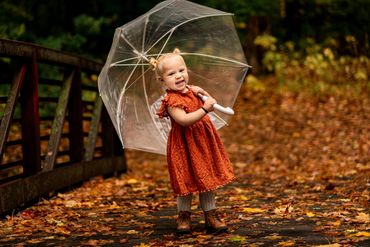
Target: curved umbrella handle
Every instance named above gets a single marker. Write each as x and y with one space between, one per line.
220 108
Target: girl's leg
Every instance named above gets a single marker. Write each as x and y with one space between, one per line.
207 201
208 204
184 208
184 203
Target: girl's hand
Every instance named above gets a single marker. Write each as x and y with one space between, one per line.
196 90
208 104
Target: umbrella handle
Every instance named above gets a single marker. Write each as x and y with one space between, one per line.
220 108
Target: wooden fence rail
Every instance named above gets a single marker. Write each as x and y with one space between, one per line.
54 129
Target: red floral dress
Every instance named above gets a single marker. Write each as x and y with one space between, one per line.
197 160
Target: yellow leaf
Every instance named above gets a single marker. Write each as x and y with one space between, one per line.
34 241
114 206
284 209
328 245
143 245
253 210
70 203
62 231
132 232
345 200
310 214
240 165
237 238
239 191
363 217
337 223
274 236
132 181
362 234
50 237
287 243
243 198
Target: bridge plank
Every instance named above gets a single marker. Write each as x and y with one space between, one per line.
25 50
57 127
94 129
25 190
10 107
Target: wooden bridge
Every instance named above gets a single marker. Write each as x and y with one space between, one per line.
55 131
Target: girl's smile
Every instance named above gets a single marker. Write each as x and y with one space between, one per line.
174 74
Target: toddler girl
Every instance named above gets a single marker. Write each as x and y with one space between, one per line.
197 161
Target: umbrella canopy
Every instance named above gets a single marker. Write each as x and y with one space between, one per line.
210 47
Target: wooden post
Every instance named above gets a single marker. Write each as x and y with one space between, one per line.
112 146
107 135
31 122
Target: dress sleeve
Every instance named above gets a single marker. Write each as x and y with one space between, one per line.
171 100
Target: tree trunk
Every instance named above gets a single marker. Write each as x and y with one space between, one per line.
256 26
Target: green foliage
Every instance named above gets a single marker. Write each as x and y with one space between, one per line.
72 26
254 84
266 41
64 41
88 25
12 18
316 69
245 8
326 41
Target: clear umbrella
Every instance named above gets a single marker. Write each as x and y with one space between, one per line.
212 51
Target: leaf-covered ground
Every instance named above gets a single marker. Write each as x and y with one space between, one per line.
303 168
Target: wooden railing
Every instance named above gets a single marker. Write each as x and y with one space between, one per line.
54 129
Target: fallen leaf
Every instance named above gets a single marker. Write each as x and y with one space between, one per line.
310 214
237 238
283 210
70 203
253 210
132 232
240 165
123 241
243 198
287 243
114 206
143 245
274 236
132 181
328 245
362 234
363 217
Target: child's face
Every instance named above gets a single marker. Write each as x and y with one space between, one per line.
174 73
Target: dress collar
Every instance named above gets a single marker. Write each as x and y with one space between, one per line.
177 92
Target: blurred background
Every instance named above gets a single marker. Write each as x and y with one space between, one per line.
318 45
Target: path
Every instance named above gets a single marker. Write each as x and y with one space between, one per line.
303 171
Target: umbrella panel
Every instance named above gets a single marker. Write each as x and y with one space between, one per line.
210 47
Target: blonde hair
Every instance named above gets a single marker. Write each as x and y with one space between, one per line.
157 64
